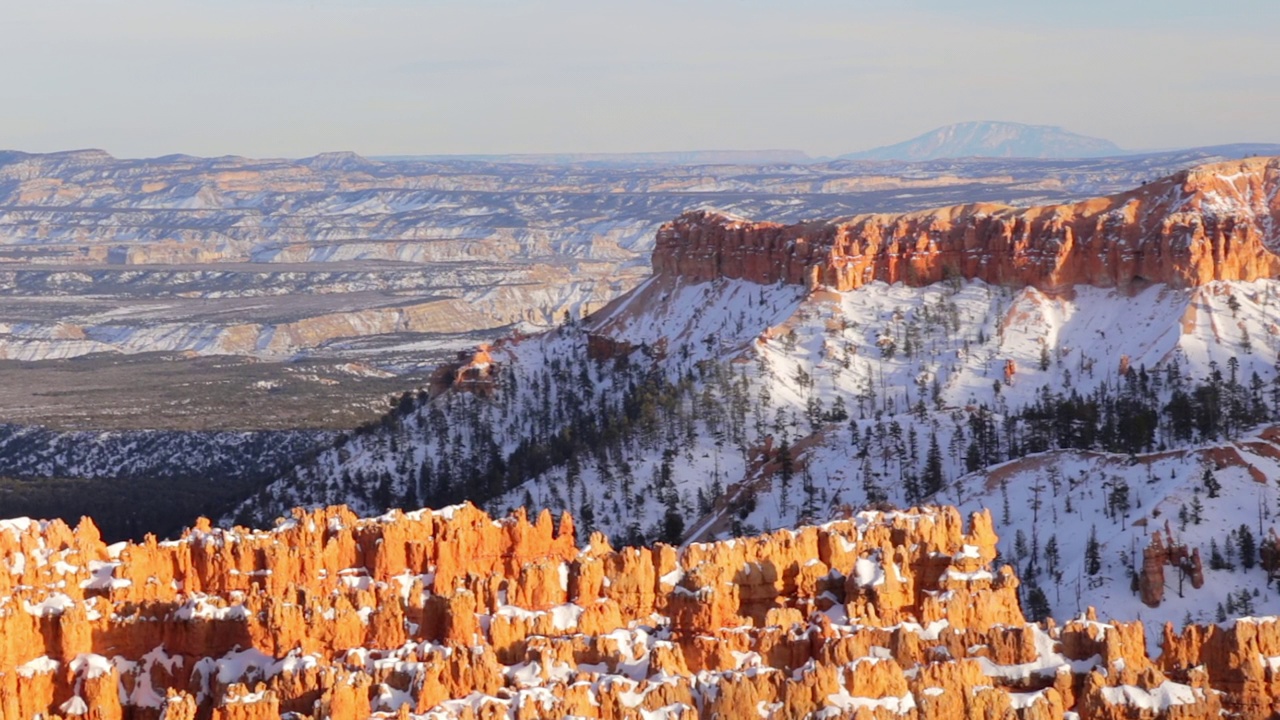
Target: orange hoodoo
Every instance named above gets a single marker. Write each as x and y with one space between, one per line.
330 616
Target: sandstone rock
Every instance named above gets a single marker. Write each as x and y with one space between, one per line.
881 615
1208 223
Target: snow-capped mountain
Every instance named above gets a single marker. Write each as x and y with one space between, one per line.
768 374
990 138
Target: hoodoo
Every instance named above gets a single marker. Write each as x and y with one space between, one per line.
452 614
1214 222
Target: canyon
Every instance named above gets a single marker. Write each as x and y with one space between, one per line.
138 266
735 392
690 496
452 614
173 307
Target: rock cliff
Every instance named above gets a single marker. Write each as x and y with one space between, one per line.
454 614
1213 222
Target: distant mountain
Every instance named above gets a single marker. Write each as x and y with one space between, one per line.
992 139
690 157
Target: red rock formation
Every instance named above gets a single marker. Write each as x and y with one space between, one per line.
1214 222
882 615
602 347
1151 577
473 371
1163 550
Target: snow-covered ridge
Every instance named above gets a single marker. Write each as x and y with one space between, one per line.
956 363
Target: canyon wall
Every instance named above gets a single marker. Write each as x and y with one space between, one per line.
454 614
1214 222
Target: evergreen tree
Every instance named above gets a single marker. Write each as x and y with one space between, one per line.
1248 547
1005 512
1037 604
1092 553
1211 485
1216 560
672 527
1197 509
1244 603
1052 556
786 466
933 482
1118 499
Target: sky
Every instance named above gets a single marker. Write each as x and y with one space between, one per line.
291 78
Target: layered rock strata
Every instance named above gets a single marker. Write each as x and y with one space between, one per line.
451 614
1214 222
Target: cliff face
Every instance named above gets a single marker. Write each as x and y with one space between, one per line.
452 614
1214 222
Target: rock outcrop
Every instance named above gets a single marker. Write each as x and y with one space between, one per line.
453 614
1164 549
1214 222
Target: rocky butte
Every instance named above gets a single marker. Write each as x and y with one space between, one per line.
1213 222
452 614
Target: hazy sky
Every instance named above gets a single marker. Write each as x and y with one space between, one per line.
296 77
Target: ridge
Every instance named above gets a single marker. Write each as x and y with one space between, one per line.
1212 222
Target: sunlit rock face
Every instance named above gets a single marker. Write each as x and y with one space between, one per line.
453 614
1214 222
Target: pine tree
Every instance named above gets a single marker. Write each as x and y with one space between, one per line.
1118 499
672 527
1197 509
1037 604
786 466
1005 513
1216 560
933 467
1092 553
1248 547
1244 603
1052 557
1211 485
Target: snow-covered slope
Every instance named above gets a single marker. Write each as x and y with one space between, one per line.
665 415
695 409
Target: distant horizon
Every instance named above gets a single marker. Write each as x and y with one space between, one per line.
293 78
379 157
809 155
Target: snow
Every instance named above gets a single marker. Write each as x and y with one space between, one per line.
1024 700
91 664
869 572
204 607
38 666
790 346
842 701
16 526
954 575
1048 661
565 617
54 604
1159 698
